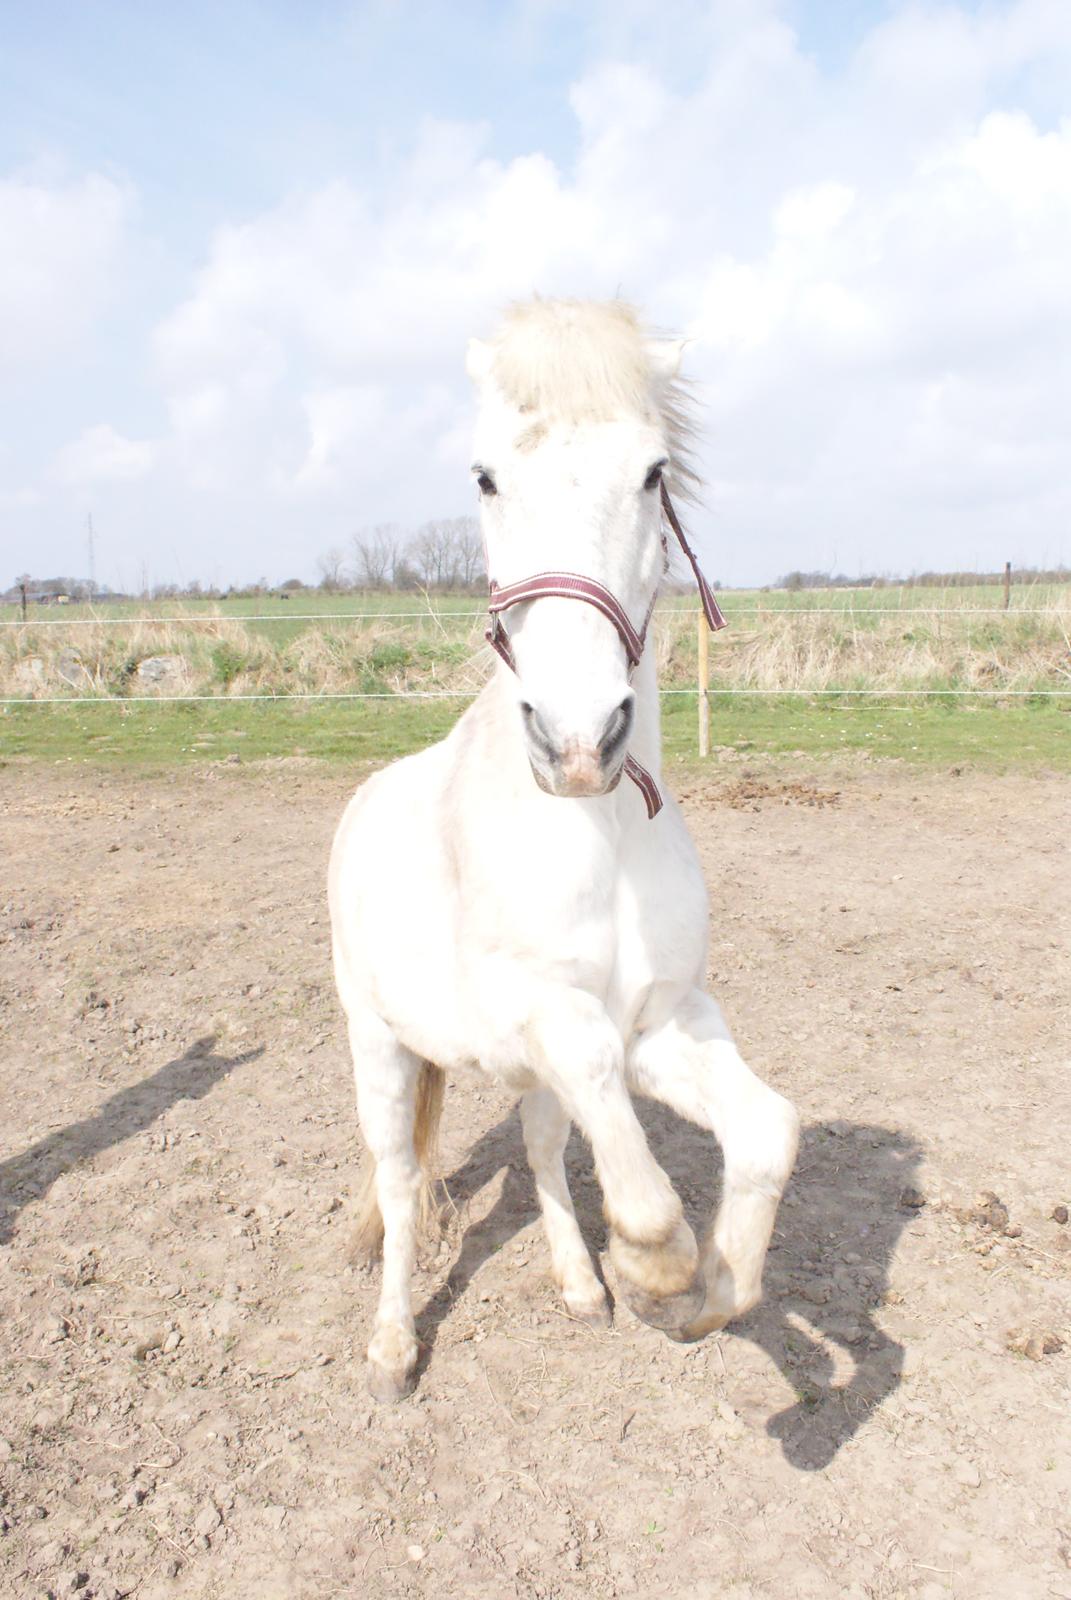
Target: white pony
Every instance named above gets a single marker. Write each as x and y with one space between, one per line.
501 903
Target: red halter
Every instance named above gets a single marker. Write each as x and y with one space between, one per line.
572 586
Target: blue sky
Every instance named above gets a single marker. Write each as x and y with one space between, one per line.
215 113
245 245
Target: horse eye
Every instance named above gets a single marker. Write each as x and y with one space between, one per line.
486 484
654 477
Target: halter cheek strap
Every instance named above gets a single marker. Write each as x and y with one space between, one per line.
574 586
711 609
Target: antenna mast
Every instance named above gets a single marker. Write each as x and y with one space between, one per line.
92 564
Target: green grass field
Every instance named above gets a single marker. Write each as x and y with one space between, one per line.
812 642
1021 736
314 604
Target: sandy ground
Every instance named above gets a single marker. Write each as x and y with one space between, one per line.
182 1397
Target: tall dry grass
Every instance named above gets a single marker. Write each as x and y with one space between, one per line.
789 649
885 650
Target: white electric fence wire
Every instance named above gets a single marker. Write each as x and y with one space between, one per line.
470 694
184 619
901 613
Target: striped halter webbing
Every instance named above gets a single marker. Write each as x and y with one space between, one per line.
572 586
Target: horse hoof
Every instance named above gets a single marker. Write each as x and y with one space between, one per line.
692 1332
595 1314
389 1386
669 1313
723 1304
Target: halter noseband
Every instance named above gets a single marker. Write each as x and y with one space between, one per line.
573 586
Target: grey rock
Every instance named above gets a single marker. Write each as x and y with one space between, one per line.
161 670
30 674
71 669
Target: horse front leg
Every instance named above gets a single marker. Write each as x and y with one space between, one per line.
691 1064
546 1132
578 1054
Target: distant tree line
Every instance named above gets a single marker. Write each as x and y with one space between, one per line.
445 554
75 588
794 581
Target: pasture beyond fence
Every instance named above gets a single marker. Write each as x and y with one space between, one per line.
791 645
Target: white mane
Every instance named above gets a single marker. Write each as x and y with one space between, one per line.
590 361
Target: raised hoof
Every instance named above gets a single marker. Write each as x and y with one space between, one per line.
389 1386
692 1332
669 1313
724 1303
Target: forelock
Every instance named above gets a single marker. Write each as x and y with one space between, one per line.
579 361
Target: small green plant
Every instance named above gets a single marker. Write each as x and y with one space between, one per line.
227 662
119 684
389 656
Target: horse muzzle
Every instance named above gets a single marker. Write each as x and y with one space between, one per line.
575 768
578 772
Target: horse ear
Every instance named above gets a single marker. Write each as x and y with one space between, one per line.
665 357
478 358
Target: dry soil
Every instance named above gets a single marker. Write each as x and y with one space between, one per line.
182 1396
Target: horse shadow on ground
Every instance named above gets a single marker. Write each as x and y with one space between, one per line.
843 1201
26 1177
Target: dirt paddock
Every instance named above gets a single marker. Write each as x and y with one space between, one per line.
182 1397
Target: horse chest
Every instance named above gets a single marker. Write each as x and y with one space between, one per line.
610 931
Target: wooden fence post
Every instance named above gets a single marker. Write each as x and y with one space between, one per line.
704 683
1007 584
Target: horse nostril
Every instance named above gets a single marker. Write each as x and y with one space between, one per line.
617 730
536 732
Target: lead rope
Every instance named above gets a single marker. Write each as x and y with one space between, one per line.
573 586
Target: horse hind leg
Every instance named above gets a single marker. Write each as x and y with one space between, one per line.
399 1100
366 1241
546 1131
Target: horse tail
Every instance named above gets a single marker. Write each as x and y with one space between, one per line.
427 1113
431 1089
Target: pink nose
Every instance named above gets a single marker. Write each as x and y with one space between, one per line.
580 770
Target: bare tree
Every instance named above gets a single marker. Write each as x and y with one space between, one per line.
431 555
331 565
447 553
376 552
469 565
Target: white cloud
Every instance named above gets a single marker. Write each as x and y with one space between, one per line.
341 421
872 266
60 253
19 499
101 455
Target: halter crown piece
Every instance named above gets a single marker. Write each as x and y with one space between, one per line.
573 586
